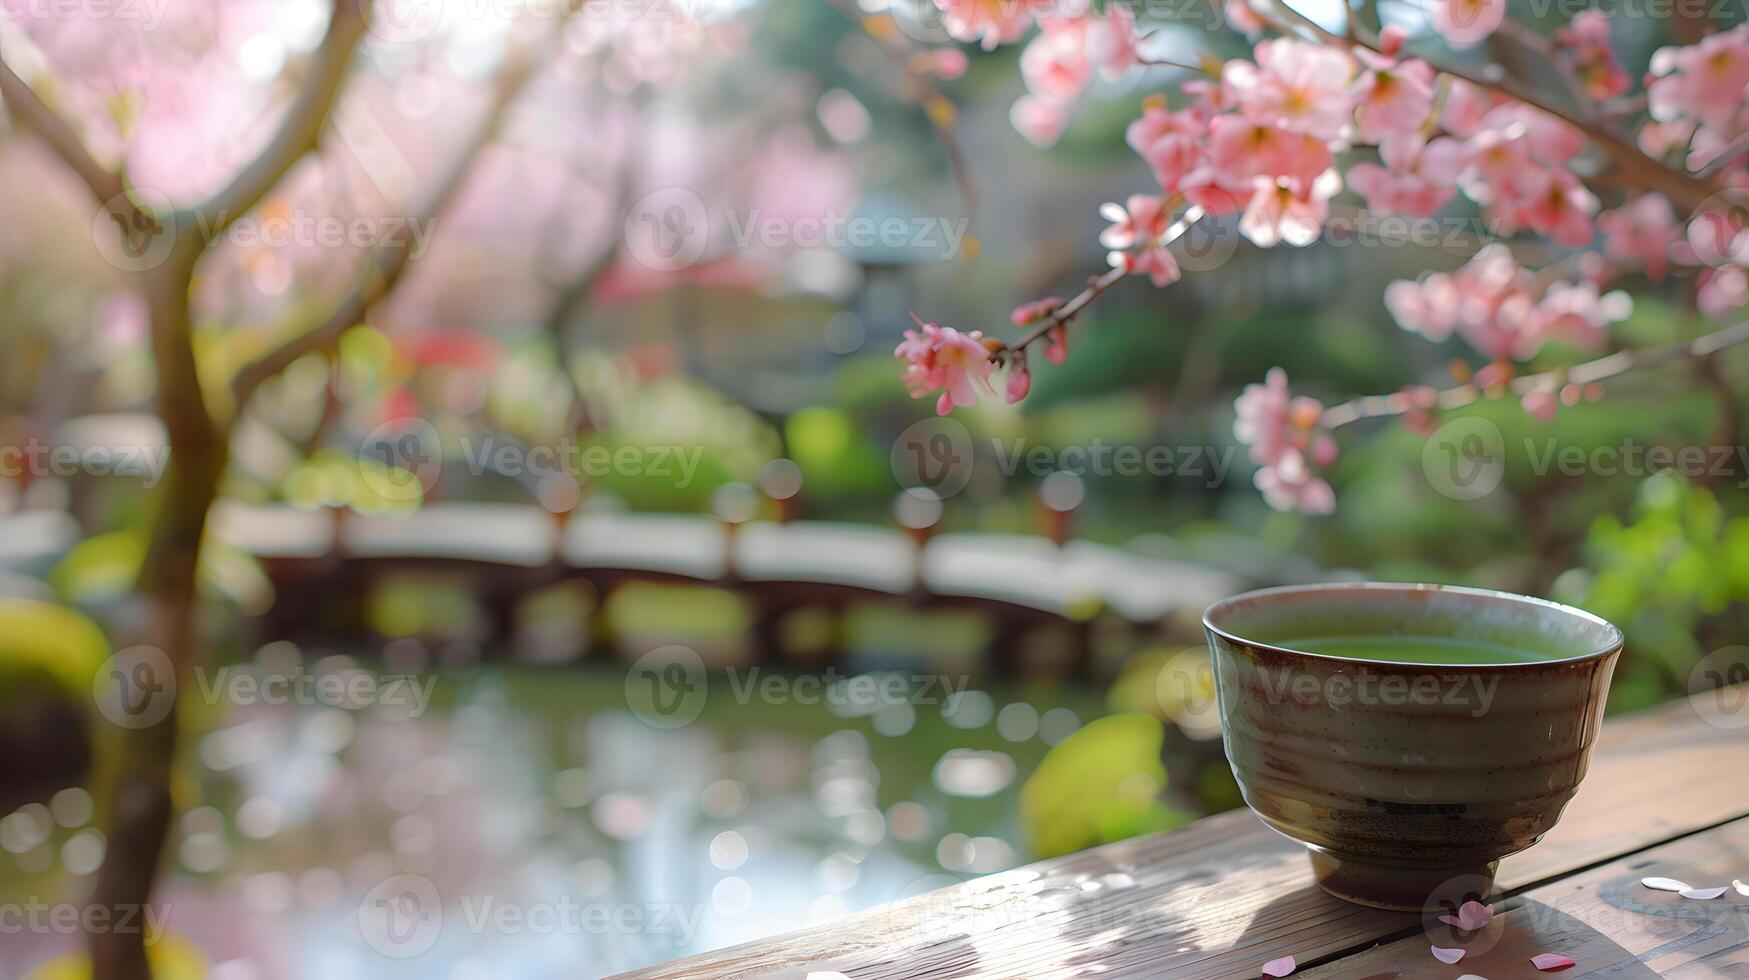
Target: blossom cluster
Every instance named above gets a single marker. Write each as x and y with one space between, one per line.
1274 138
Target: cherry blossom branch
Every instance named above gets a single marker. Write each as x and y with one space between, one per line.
30 112
297 133
1728 156
1096 287
1640 169
1164 63
1589 372
385 269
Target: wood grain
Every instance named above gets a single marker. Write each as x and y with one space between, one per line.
1604 919
1224 895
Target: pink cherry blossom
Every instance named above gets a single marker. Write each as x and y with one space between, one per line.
1550 139
1272 422
1139 221
1290 211
1134 238
1240 17
1470 916
1722 291
946 360
1428 307
1054 64
989 22
1040 121
1157 263
1291 485
1466 106
1057 345
1467 22
1170 142
1027 314
1019 379
1417 178
1560 206
1111 40
1584 45
1243 147
1301 87
1394 98
1576 314
1703 81
948 63
1643 231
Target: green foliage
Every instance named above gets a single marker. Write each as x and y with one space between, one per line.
106 566
45 648
1101 784
1669 579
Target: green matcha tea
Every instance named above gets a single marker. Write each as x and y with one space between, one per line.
1414 650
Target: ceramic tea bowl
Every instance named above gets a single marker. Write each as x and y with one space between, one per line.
1408 782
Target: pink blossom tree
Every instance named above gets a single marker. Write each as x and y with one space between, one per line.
521 142
1586 183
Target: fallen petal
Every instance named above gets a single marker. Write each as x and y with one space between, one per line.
1452 920
1475 915
1279 967
1551 961
1471 976
1664 884
1703 894
1742 889
1444 955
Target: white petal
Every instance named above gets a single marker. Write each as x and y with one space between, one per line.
1703 894
1664 884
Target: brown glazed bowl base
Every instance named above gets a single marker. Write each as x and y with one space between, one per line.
1400 888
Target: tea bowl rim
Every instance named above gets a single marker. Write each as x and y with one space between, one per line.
1613 636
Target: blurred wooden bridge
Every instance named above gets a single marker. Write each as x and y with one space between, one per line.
324 563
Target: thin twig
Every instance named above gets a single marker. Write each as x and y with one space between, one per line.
1590 372
1096 287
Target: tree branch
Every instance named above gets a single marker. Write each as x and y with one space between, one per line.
31 113
297 133
386 268
1096 287
1590 372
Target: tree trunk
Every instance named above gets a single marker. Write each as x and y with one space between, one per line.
141 806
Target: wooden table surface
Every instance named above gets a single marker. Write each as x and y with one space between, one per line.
1667 794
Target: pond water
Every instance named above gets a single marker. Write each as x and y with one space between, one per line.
523 822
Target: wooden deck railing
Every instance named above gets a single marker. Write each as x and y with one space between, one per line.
1667 794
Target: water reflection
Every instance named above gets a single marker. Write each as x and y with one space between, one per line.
528 825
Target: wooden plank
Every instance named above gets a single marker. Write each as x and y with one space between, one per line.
1604 919
1224 895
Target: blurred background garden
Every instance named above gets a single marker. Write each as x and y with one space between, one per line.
547 552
